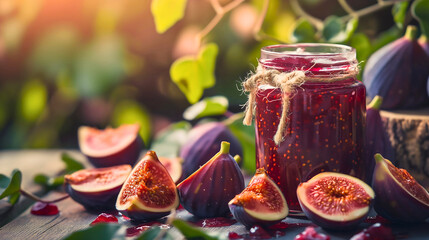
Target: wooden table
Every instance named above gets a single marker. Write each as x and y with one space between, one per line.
19 223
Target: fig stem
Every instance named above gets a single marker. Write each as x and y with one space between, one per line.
36 198
224 147
237 158
376 103
378 157
411 32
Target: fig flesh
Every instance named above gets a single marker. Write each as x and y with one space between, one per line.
399 197
149 192
334 200
207 191
398 72
111 146
260 203
377 139
173 166
203 143
97 189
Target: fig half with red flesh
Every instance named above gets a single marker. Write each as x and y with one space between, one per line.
399 197
149 192
173 166
260 203
97 189
111 146
334 200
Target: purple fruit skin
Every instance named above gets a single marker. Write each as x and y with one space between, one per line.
98 201
205 145
140 215
247 220
377 141
217 182
395 203
398 72
128 155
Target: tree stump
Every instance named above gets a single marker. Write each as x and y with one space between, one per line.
408 132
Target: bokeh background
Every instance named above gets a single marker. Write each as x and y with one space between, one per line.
67 63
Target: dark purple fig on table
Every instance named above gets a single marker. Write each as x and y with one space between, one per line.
207 191
377 139
335 201
260 203
398 72
376 231
97 189
149 192
399 197
111 146
203 143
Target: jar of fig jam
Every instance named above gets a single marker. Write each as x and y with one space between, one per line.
325 119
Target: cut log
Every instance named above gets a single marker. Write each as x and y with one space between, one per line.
408 132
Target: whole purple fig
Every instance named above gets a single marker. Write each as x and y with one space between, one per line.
377 139
203 143
207 191
398 72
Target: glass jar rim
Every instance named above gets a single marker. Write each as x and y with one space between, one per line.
309 50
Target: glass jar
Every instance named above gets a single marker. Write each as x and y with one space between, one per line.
326 119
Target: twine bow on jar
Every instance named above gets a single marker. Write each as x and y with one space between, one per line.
287 82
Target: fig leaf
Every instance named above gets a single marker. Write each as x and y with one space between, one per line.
336 31
72 165
167 12
98 231
209 106
192 232
303 32
420 11
47 182
10 187
399 11
168 142
194 74
153 233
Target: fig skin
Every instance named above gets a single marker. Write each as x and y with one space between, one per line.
203 143
207 191
93 199
251 217
335 221
128 154
392 200
377 139
154 178
398 72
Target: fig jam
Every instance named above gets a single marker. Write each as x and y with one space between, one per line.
105 218
326 118
44 209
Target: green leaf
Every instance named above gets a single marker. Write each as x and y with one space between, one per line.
303 32
4 181
420 11
72 165
336 31
99 231
151 233
246 136
193 74
168 142
209 106
191 232
362 45
399 11
12 189
49 183
167 12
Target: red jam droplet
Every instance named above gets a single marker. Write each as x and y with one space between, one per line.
44 209
258 233
311 234
215 222
137 230
105 218
375 232
234 235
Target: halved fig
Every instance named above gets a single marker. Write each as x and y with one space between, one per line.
149 192
399 197
260 203
97 189
173 166
208 190
334 200
111 146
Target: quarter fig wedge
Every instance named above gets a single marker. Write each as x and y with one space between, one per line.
399 197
